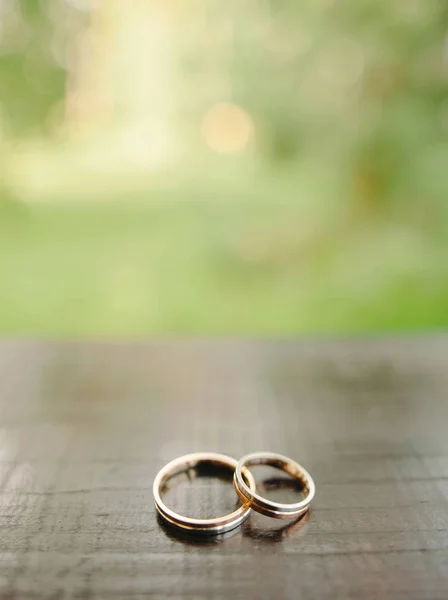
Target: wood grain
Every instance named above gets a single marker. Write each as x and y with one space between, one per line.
85 426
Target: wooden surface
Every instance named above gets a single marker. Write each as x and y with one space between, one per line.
84 427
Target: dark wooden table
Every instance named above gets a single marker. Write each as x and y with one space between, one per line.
86 426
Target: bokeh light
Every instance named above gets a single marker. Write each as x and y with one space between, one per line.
226 127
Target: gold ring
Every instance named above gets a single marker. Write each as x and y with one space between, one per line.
205 526
260 504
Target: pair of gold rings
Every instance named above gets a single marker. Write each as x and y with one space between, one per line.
244 485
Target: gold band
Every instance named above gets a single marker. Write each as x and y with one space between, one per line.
205 526
260 504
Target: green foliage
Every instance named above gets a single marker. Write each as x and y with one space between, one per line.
335 219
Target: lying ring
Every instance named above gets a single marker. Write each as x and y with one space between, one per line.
260 504
205 526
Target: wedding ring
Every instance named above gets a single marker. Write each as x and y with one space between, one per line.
205 526
267 507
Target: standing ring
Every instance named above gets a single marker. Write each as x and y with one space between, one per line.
260 504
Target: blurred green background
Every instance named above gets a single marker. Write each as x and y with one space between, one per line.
200 166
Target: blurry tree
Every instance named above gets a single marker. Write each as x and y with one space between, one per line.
31 80
362 86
